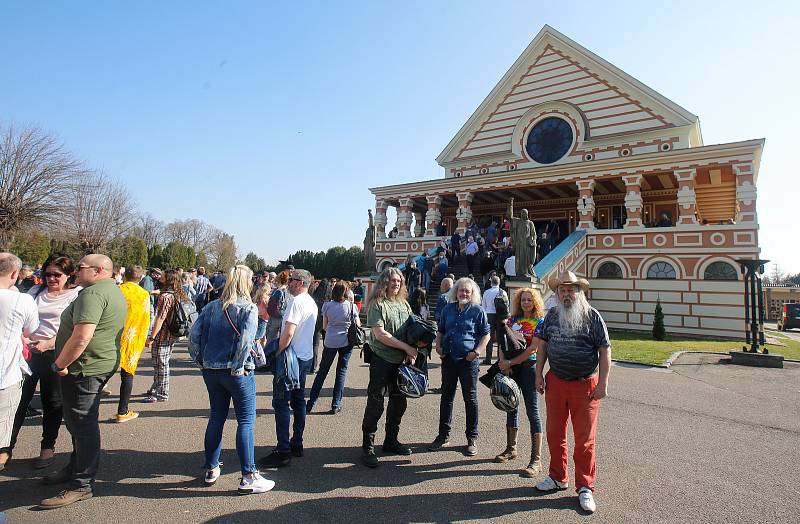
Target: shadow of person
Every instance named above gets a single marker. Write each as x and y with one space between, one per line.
435 507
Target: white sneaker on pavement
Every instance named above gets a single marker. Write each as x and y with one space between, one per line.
255 483
548 484
586 498
212 475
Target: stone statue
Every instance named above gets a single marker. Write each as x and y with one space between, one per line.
523 234
369 243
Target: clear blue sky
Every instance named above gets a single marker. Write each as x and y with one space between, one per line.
270 120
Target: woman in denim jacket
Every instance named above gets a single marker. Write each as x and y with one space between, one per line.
221 342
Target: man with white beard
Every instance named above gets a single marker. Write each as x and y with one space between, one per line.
574 338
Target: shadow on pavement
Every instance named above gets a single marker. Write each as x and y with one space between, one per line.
438 507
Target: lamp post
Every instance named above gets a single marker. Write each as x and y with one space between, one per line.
753 303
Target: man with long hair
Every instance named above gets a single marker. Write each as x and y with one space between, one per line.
462 336
387 311
574 338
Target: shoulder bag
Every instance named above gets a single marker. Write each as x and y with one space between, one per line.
356 335
257 351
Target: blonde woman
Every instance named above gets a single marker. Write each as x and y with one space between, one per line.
221 342
527 312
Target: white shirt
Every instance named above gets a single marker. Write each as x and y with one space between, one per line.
18 316
488 299
50 309
510 266
301 311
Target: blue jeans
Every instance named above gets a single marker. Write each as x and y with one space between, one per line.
297 399
525 378
222 388
453 372
328 355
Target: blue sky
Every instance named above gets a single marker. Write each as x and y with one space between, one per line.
271 119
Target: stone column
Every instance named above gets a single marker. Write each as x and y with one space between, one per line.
419 224
380 218
464 212
745 192
434 215
404 218
633 200
687 200
585 204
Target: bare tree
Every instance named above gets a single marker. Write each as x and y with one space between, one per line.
191 232
222 251
150 229
35 177
102 209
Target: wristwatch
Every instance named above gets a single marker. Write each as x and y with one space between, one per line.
55 368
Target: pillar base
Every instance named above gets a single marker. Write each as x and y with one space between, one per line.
745 358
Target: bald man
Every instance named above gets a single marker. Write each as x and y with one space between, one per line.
86 356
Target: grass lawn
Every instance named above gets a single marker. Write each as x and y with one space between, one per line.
640 346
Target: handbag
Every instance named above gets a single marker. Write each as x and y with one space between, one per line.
366 353
257 351
356 336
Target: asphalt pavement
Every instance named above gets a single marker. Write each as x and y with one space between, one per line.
705 441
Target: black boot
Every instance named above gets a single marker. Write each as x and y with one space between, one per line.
368 456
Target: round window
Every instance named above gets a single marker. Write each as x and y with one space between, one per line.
549 140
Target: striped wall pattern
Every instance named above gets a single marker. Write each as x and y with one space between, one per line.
554 76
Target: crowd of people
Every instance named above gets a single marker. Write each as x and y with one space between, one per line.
86 321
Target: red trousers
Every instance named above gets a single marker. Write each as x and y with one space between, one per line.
571 399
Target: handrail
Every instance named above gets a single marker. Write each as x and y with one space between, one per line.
546 265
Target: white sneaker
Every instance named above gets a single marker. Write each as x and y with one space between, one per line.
255 483
548 484
586 498
212 475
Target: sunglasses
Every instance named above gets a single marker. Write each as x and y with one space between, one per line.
54 275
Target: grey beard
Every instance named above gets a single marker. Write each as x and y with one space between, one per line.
572 318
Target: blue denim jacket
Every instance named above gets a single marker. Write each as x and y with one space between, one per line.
287 372
462 330
214 344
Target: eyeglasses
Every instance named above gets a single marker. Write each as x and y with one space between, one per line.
54 275
295 279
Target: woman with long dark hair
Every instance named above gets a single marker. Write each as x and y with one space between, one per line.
52 298
161 340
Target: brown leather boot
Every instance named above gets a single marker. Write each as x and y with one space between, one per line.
535 465
510 452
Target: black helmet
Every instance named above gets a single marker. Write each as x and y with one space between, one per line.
411 381
505 393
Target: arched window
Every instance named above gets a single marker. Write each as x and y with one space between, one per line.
609 270
720 271
661 271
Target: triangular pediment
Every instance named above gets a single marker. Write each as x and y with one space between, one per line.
555 72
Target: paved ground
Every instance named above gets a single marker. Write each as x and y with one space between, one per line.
791 333
703 442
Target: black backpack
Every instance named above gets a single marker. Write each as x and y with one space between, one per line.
184 313
501 305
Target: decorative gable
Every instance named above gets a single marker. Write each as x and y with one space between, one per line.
557 77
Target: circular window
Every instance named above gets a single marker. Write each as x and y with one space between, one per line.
549 140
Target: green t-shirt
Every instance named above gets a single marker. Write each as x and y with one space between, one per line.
390 315
101 304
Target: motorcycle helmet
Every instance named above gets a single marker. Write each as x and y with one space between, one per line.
411 382
505 393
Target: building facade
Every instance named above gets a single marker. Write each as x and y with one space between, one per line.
650 211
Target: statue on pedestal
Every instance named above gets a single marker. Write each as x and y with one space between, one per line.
369 243
523 234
